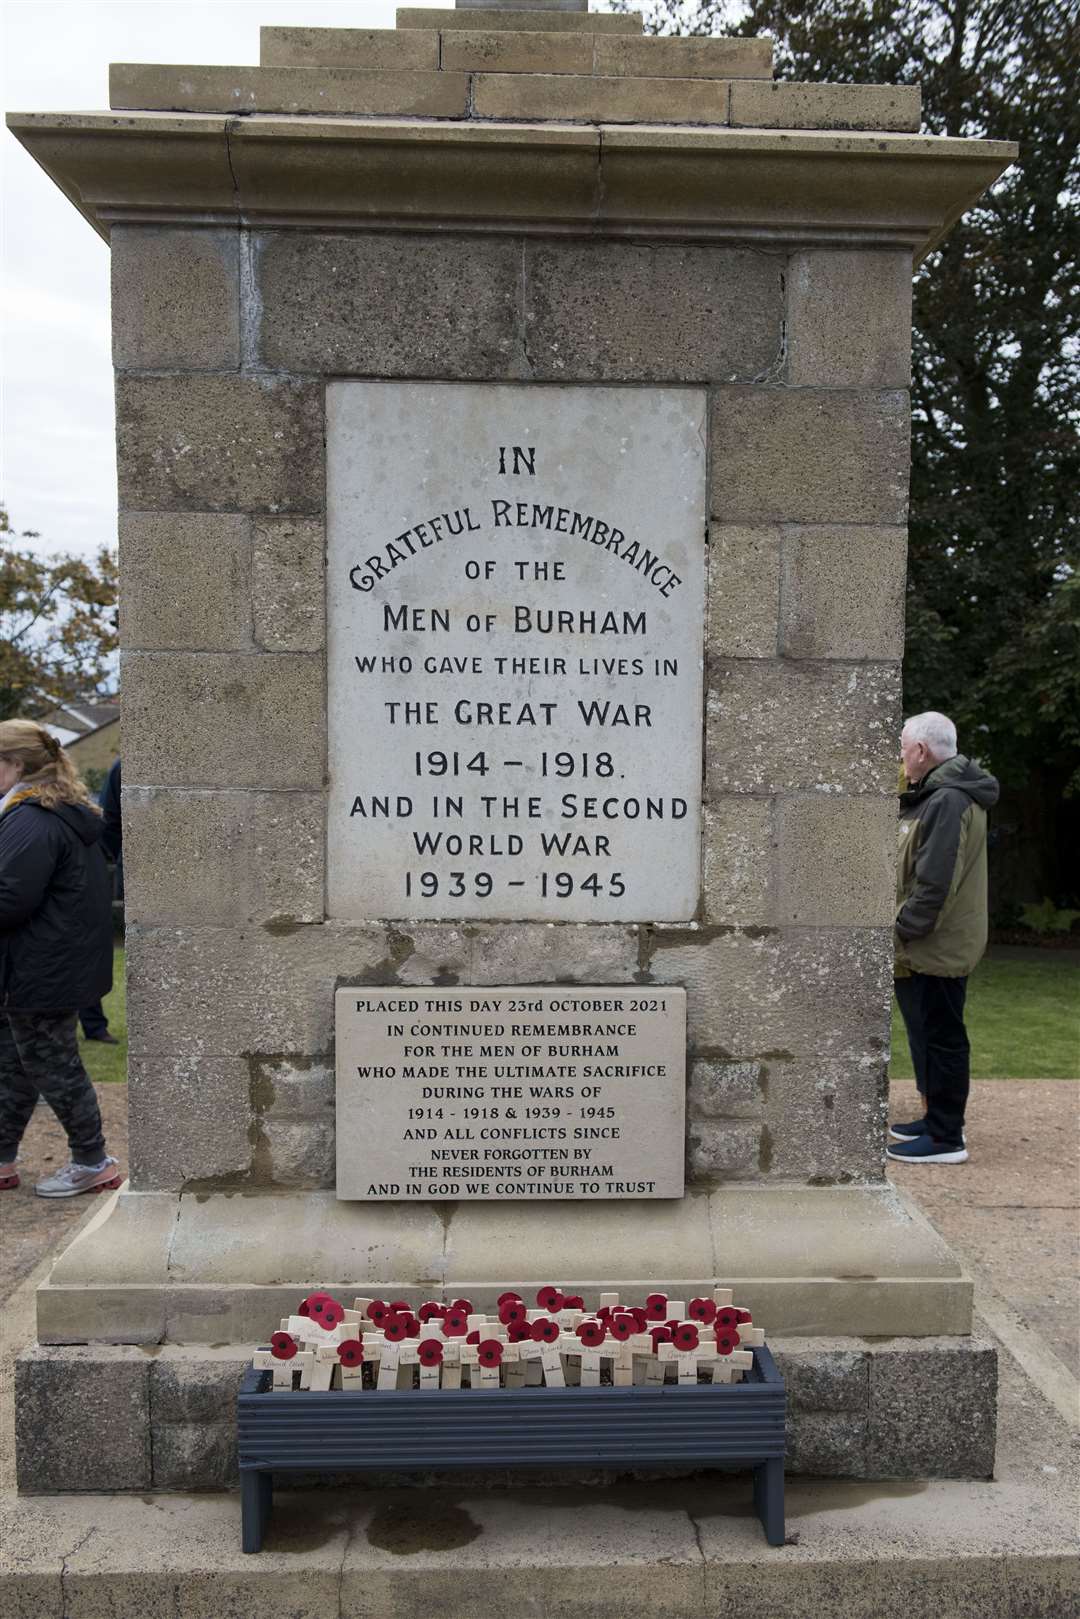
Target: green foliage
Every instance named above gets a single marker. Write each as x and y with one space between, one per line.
58 625
1046 918
1021 1018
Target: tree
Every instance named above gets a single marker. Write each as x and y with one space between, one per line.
58 625
993 620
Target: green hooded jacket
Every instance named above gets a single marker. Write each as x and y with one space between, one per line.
941 885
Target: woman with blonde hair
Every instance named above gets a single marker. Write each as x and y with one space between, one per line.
55 953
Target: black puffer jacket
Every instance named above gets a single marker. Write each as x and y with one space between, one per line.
55 908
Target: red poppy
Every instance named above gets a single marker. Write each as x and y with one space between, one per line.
544 1331
326 1310
519 1332
401 1306
455 1323
378 1312
490 1352
466 1306
726 1341
430 1352
412 1326
673 1323
623 1327
641 1320
549 1298
351 1352
573 1301
473 1337
604 1313
743 1315
512 1311
508 1298
395 1329
656 1306
302 1308
591 1333
283 1345
430 1311
726 1318
685 1336
660 1335
703 1310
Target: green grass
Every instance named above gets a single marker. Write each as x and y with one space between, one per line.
1023 1020
107 1065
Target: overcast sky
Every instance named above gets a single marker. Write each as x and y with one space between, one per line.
58 470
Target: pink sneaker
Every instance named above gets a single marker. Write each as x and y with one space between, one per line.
76 1178
9 1177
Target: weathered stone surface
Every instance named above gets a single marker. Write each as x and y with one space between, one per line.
219 443
933 1414
843 593
195 1455
617 311
836 861
744 591
809 455
760 992
206 719
722 1150
512 51
214 859
301 1151
349 47
189 1120
175 298
822 1375
826 1114
197 1386
472 17
780 105
730 1090
849 319
827 1445
185 581
82 1419
379 92
538 952
600 100
648 57
288 584
293 1087
260 992
819 727
738 852
389 306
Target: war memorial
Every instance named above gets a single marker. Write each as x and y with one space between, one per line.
512 420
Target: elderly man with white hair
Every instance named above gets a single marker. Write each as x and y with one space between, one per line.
941 928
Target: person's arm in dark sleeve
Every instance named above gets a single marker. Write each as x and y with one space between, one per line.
941 836
27 863
112 834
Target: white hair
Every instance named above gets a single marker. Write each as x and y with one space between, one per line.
936 731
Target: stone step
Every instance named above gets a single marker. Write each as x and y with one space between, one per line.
471 17
362 93
416 48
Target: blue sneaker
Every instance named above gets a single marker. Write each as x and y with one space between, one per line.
908 1132
925 1150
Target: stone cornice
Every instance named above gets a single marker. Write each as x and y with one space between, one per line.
663 181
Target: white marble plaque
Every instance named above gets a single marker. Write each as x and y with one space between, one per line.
515 596
503 1094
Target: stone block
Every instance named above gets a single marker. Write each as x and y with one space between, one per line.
380 92
759 993
826 1115
260 992
293 1087
196 1455
728 1090
836 861
219 443
415 48
433 953
82 1419
727 1149
823 1376
849 319
300 1152
933 1413
388 306
205 719
473 17
197 1386
185 582
550 953
744 591
216 859
738 854
189 1120
288 584
843 593
600 100
810 727
175 298
511 51
826 1445
618 311
687 58
779 105
809 455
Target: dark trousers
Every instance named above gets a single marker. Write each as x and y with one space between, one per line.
933 1013
39 1055
94 1022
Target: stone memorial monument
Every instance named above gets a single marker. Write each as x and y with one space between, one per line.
513 455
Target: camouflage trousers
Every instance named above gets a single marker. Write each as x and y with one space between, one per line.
39 1056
